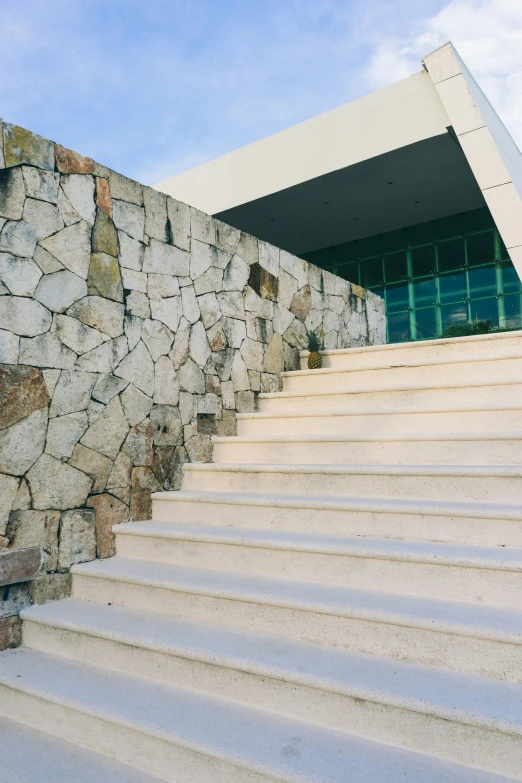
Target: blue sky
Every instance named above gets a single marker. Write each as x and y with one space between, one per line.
153 87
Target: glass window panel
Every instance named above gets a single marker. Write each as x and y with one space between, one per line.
511 280
504 255
481 248
395 267
482 282
451 255
454 314
423 260
453 288
482 309
396 298
426 323
424 292
513 312
371 271
399 327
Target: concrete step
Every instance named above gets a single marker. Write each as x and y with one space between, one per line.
460 718
407 448
466 370
485 483
334 421
29 755
488 575
493 392
484 346
476 524
186 736
470 638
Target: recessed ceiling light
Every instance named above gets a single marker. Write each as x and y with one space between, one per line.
390 183
417 202
326 203
272 220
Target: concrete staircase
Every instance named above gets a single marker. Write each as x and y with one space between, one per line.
337 598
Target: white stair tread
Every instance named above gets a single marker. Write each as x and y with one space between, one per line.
494 471
391 505
336 411
488 381
259 741
470 699
500 558
467 619
29 755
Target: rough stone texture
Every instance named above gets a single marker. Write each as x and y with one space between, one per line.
109 511
77 537
10 632
22 391
153 324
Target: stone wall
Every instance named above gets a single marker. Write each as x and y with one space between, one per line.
132 328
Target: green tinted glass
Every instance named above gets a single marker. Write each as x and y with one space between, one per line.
399 327
423 260
396 298
453 288
481 248
371 272
451 255
426 323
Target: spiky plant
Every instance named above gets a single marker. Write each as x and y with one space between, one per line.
315 360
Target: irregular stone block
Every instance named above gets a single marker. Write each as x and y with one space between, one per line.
104 235
227 237
180 350
129 218
132 252
77 336
227 392
167 465
286 289
79 189
125 189
22 391
231 304
35 529
302 303
155 214
54 484
235 331
255 380
216 338
46 261
137 303
94 464
103 195
59 290
77 537
105 358
109 511
134 281
199 349
282 319
72 392
120 475
190 304
202 226
297 268
107 387
245 402
179 223
108 431
63 434
140 505
201 258
22 146
10 632
295 335
240 377
248 249
269 258
18 598
162 286
122 493
223 361
271 383
211 280
72 247
166 425
138 444
262 308
51 379
263 283
66 209
236 275
104 277
168 311
46 350
22 501
50 587
136 404
8 490
17 238
94 409
157 337
69 162
252 353
41 184
138 368
22 443
12 194
42 217
9 347
99 313
209 308
23 316
166 384
273 361
19 565
199 448
166 259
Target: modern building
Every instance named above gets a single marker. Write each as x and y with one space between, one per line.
413 191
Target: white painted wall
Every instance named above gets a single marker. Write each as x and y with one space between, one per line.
401 114
492 154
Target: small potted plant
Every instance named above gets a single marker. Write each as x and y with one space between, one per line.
315 360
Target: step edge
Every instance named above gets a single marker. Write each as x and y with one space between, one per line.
487 383
496 435
331 469
242 664
324 413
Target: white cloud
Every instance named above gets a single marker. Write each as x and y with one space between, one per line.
488 36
